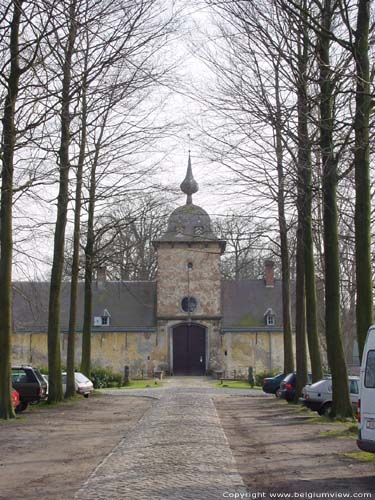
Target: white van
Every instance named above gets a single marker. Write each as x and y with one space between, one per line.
366 405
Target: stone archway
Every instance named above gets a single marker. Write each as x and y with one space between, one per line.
189 349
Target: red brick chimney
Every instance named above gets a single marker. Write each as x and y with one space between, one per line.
269 278
101 277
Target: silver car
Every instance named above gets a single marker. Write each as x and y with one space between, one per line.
84 385
318 396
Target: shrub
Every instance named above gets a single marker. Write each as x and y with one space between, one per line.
102 378
260 376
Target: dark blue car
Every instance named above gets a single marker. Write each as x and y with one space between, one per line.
288 386
271 385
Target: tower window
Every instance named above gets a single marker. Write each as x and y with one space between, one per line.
189 304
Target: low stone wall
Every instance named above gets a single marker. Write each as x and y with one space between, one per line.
147 352
143 352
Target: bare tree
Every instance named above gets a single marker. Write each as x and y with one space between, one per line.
256 112
22 51
54 349
247 245
7 146
114 144
341 403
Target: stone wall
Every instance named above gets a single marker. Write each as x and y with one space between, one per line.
144 352
261 350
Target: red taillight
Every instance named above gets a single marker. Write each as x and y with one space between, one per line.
15 399
40 393
359 411
289 387
264 381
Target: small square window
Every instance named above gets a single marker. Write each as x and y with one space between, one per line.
103 320
270 320
269 317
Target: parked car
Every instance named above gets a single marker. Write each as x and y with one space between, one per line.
84 385
366 404
288 386
271 385
30 385
318 396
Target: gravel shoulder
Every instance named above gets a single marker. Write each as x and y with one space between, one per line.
278 448
47 453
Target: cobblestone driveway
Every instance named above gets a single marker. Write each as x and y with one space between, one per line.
178 450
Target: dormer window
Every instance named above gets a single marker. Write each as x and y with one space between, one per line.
103 320
198 230
269 317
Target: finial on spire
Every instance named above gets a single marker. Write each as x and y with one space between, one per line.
189 185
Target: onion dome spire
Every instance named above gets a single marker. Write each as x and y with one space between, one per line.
189 185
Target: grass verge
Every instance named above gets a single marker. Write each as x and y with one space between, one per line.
350 430
237 384
138 384
363 456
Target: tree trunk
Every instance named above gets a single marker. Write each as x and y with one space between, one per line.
6 238
89 252
305 205
364 309
89 268
340 391
283 230
70 362
301 354
54 343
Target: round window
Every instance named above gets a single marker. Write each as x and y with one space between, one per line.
189 304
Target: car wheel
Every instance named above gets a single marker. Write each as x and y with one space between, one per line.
21 407
325 410
86 395
278 393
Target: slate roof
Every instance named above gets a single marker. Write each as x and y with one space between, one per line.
130 304
245 301
184 222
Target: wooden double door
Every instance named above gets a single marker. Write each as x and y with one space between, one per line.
189 350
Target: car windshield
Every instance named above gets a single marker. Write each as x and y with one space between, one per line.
81 378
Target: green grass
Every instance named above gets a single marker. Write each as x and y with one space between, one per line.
236 384
350 430
362 456
19 419
139 384
45 405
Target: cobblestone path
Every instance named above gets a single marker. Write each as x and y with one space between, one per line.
178 451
